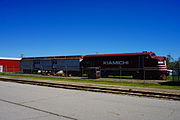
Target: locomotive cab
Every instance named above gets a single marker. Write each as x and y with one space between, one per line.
154 67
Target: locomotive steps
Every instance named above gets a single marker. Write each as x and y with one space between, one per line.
114 89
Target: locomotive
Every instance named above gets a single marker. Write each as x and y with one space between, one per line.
144 65
52 64
139 65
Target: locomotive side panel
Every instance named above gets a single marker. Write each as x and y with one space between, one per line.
27 66
70 64
67 65
129 63
121 62
45 65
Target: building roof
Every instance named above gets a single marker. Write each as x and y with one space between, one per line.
6 58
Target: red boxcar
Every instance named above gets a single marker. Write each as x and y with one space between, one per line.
139 65
10 64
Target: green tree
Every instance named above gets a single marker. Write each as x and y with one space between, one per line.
177 63
170 62
170 58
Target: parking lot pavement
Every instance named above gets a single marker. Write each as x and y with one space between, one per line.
30 102
12 111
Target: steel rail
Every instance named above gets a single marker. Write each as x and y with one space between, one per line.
97 89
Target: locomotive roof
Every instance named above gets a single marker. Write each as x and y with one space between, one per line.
53 57
121 54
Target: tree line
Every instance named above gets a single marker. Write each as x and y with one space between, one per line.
172 63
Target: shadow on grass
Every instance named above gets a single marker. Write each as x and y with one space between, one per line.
119 77
171 83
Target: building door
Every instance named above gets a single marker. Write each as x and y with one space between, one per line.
1 68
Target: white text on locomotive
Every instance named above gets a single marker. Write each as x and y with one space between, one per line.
115 62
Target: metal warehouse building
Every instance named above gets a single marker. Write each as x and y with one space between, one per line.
10 64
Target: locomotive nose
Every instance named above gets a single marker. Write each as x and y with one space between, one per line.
159 58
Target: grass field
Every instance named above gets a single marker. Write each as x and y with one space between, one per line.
138 84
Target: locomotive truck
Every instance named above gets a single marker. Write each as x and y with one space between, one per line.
139 65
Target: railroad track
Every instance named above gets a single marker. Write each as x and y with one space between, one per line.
97 89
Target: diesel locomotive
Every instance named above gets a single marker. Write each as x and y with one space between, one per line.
139 65
52 64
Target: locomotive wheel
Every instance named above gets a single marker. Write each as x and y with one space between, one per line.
163 77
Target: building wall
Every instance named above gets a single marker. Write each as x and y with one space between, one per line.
10 66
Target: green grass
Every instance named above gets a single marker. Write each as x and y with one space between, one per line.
143 84
176 78
123 77
169 78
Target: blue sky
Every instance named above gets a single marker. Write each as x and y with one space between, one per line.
70 27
